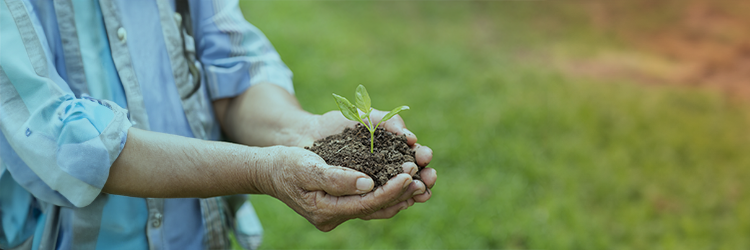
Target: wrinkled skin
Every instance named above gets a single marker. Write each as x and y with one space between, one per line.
327 195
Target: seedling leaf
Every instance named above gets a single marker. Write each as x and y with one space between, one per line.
346 107
393 112
362 99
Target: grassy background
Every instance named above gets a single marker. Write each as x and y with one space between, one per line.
527 157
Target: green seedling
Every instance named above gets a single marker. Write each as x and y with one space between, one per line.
362 102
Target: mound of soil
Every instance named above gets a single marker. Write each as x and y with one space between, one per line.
351 149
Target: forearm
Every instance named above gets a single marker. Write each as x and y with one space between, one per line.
160 165
264 115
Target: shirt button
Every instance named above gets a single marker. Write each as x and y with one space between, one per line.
178 18
157 220
122 34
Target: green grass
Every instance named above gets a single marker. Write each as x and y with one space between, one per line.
527 157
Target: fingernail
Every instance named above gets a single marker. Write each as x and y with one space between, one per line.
418 192
406 183
412 171
365 184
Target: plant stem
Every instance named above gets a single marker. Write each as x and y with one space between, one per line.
372 134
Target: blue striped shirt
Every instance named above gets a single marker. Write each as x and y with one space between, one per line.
75 75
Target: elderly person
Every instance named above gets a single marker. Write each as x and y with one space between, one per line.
110 112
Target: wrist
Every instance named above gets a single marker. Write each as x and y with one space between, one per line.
274 115
262 167
302 130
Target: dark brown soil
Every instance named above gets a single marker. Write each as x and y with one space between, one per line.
351 149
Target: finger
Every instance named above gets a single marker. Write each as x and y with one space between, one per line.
410 168
395 125
429 176
415 188
388 212
411 138
359 206
339 181
423 197
423 154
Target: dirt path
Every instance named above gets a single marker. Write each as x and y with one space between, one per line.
688 42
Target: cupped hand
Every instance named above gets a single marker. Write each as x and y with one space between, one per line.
334 122
330 195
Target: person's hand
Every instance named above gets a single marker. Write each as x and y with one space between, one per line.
330 195
276 118
334 122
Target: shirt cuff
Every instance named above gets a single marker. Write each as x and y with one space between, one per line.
231 77
70 144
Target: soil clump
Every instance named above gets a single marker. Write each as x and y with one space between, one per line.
351 149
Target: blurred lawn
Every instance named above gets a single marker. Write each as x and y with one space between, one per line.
527 157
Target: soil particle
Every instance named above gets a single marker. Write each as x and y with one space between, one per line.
351 149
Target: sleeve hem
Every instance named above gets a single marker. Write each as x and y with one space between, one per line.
115 135
227 84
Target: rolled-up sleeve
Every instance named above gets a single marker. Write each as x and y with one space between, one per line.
234 54
57 146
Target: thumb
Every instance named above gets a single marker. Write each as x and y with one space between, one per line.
339 181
